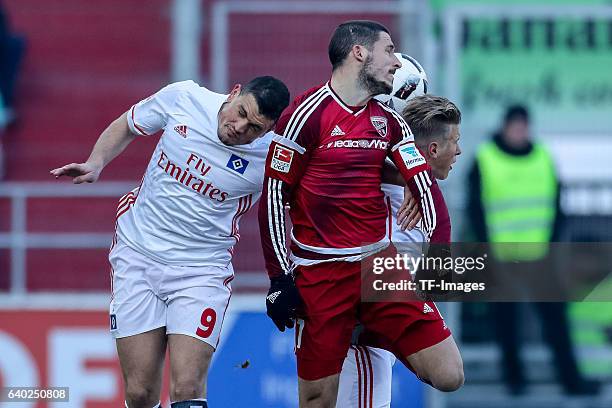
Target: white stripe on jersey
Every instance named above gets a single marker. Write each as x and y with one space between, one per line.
432 210
238 211
244 205
301 115
278 242
281 212
426 211
427 204
432 207
279 217
288 143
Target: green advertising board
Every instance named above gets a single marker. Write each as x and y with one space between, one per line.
555 56
558 64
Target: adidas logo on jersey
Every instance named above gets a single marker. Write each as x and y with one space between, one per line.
427 309
181 130
272 296
337 131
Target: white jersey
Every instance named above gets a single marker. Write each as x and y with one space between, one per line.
412 241
195 189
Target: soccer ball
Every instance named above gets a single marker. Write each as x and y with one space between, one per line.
408 82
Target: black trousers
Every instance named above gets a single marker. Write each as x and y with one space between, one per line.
556 331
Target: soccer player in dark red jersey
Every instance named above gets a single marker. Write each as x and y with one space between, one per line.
327 163
365 380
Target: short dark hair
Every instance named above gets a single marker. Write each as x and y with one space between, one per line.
271 95
429 116
350 33
516 112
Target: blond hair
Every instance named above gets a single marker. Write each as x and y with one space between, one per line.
429 116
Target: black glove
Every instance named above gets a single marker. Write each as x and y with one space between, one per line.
282 301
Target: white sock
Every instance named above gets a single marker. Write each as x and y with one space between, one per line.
156 406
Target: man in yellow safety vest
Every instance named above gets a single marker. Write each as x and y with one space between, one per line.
513 205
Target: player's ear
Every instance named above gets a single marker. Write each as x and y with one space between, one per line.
432 149
234 92
359 52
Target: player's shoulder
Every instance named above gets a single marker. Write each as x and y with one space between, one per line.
306 96
309 100
394 119
384 110
189 87
180 87
304 108
190 97
198 91
266 139
262 144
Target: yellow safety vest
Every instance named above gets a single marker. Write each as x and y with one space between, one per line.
518 194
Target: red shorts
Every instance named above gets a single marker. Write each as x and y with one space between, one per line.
332 306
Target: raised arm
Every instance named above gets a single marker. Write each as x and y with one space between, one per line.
145 118
115 138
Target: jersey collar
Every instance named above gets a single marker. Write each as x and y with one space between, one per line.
353 110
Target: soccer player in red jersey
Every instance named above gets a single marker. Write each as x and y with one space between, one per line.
327 163
365 380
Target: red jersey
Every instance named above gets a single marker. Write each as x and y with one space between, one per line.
442 231
327 163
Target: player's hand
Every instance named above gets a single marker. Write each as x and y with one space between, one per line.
80 172
409 213
282 301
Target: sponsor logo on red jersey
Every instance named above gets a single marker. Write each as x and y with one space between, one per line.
411 156
337 131
380 124
357 144
281 159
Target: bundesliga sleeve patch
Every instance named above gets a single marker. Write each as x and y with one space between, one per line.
281 159
238 164
411 156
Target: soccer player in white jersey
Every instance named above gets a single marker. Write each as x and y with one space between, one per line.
171 255
365 380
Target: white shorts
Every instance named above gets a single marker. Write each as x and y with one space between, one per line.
147 295
365 379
